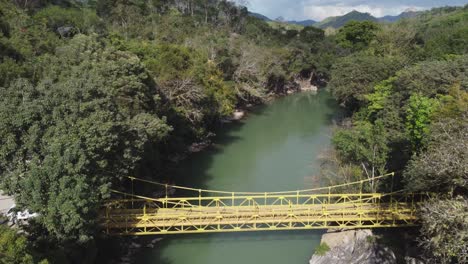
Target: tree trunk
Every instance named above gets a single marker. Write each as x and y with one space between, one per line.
206 11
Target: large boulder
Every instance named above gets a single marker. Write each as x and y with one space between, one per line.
354 247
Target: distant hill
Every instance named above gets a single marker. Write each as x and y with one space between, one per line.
339 21
406 14
304 23
260 16
285 25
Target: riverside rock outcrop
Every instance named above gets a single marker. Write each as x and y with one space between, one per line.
354 247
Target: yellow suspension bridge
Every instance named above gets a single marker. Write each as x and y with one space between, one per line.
209 211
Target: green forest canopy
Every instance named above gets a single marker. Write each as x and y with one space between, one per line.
406 88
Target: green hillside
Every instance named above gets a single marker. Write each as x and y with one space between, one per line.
406 87
285 25
339 21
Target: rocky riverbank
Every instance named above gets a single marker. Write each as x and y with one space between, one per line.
6 202
362 247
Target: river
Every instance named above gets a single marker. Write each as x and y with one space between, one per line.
275 148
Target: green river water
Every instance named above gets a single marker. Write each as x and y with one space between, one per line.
275 148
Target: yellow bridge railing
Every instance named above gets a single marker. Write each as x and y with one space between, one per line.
211 211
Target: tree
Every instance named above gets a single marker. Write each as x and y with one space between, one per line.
430 78
454 105
364 144
418 117
442 167
357 35
445 230
355 76
31 4
397 39
250 74
222 96
377 99
444 32
85 125
14 248
311 34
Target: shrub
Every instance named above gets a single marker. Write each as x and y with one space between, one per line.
322 249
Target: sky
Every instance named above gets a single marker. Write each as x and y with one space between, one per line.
320 9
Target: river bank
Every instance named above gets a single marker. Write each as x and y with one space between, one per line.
297 85
5 203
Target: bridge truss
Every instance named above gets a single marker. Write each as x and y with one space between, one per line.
208 211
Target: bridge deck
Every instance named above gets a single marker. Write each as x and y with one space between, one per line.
208 219
207 211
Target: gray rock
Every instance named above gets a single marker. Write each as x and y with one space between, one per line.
134 245
411 260
353 247
66 32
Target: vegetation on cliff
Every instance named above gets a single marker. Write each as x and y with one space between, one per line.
406 88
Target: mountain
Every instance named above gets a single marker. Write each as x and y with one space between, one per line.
406 14
304 23
339 21
282 21
260 16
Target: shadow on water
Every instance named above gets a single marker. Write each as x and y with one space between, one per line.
336 116
157 255
193 171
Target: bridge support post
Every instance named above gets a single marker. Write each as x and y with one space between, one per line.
360 189
166 206
199 208
107 219
391 187
360 197
144 215
133 194
199 198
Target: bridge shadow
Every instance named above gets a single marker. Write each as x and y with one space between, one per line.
185 243
337 115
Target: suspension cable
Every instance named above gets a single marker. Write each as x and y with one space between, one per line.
259 193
